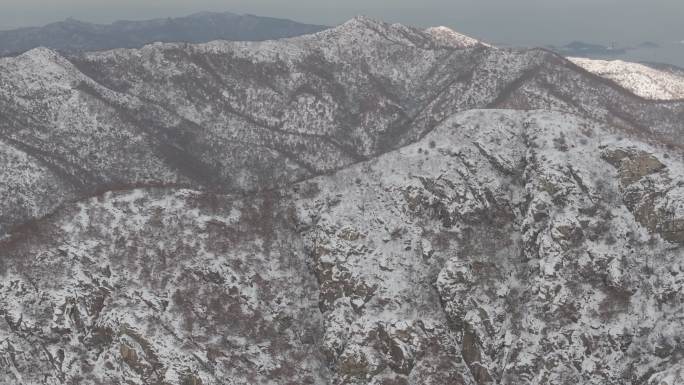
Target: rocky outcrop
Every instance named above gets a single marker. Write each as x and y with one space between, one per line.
632 164
650 191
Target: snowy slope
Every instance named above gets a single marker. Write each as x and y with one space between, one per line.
504 247
451 38
644 81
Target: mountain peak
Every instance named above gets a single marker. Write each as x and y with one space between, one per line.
369 29
45 58
361 21
441 36
447 36
41 53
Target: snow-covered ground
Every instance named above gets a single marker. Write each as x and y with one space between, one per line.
449 37
643 80
370 205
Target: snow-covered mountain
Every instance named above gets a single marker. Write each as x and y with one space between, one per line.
371 204
643 80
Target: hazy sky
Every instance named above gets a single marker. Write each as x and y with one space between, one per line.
497 21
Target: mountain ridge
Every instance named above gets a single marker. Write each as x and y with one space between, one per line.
279 55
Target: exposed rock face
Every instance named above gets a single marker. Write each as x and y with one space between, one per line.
650 192
477 247
632 164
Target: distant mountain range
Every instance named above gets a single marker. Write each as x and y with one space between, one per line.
72 35
579 48
645 52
